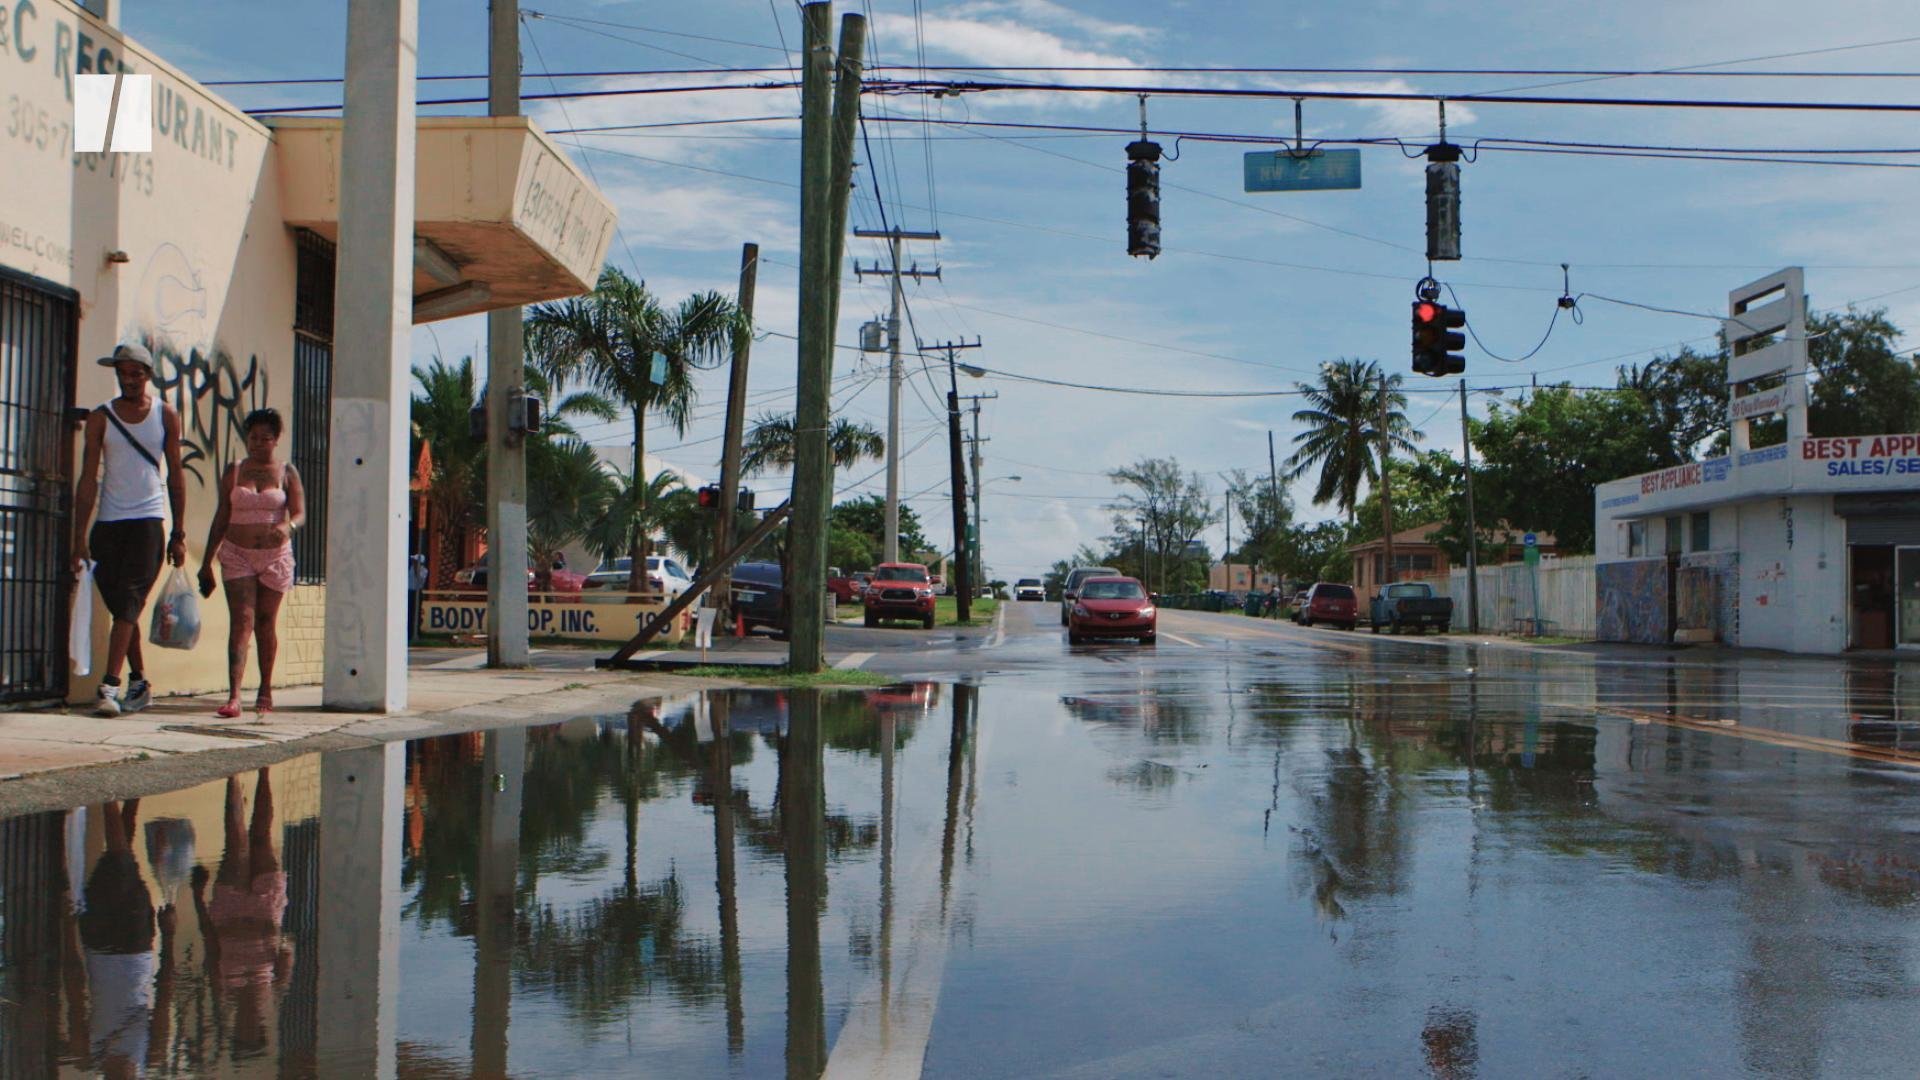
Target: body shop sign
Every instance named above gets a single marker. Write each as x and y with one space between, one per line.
1865 455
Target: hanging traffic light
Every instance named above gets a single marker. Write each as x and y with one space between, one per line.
1434 339
1143 198
1443 202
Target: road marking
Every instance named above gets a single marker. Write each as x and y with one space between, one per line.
853 661
1188 642
999 634
1789 740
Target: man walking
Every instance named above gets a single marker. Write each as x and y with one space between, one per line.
133 434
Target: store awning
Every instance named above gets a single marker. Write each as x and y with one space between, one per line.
501 217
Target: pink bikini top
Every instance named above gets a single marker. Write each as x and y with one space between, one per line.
252 507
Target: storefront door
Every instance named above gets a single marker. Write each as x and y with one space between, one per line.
1873 600
36 390
1907 576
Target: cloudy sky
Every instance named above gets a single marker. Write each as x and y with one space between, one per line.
1253 291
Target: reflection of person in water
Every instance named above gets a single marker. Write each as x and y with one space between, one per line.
241 925
116 932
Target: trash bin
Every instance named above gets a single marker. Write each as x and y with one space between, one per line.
1256 602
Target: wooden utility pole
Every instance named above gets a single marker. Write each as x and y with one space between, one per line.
1273 486
1229 552
957 480
1473 533
826 148
736 421
1386 484
975 461
896 373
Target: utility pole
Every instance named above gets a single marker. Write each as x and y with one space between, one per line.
1273 485
957 479
1386 485
890 546
736 421
1473 533
979 564
506 372
1229 552
827 121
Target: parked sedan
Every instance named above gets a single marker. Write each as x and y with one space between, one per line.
900 591
759 597
1331 602
663 575
1299 605
1029 588
1112 607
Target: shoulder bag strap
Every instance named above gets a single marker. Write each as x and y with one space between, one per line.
128 435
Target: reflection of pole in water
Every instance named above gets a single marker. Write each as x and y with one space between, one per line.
503 774
803 825
721 784
35 905
359 922
886 872
963 699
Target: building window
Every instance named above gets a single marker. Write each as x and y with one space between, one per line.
1702 531
312 397
1636 538
1674 535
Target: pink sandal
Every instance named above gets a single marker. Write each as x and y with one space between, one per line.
228 711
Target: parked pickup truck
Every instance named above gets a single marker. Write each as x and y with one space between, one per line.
1410 604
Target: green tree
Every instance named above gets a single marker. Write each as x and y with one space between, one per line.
1169 507
1863 387
1341 431
635 507
1427 488
568 492
607 340
867 516
1685 396
456 489
1540 459
769 445
1265 512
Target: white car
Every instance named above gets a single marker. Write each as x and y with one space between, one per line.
1029 588
663 575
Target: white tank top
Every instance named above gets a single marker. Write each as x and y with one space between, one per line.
132 489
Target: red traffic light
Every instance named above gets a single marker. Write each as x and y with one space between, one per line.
709 497
1426 312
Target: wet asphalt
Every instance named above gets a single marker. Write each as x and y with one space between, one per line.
1249 850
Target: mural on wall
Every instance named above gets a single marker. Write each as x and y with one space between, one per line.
1708 595
1631 601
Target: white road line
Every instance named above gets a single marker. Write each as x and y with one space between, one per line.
999 634
1188 642
853 661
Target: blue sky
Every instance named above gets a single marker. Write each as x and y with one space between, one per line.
1254 290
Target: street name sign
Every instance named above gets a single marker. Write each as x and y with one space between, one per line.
1313 170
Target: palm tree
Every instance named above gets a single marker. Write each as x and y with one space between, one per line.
457 488
607 340
770 444
635 508
1342 432
568 491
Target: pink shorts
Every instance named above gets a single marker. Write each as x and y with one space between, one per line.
273 566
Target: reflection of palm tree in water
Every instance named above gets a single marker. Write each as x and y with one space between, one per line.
246 956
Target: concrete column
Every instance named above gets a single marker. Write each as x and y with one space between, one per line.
506 371
366 657
502 773
359 909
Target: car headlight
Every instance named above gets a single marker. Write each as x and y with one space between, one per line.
1147 612
1081 611
923 592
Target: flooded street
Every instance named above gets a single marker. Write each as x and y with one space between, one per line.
1275 852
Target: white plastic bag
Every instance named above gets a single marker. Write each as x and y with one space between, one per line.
80 626
176 616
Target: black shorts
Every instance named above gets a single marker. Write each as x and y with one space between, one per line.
127 557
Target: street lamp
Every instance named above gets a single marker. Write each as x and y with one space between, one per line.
969 369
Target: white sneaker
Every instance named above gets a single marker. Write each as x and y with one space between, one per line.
107 700
138 696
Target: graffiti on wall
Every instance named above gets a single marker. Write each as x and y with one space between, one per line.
1708 596
1631 601
213 393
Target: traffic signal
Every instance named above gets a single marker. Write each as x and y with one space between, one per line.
745 500
1143 198
1443 202
709 497
1434 339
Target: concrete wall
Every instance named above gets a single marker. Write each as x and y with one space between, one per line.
1793 574
209 281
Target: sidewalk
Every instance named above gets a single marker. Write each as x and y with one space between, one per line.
59 758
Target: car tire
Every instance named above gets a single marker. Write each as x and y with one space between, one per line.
1375 627
871 620
1073 638
1149 639
1350 627
1306 620
926 622
1396 628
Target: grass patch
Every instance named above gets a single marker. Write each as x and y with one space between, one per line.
946 611
780 676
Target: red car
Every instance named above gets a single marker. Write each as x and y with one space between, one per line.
1112 607
1330 602
900 591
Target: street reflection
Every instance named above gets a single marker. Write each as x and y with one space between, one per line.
1384 858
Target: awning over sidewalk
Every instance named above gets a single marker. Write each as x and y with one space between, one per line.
501 217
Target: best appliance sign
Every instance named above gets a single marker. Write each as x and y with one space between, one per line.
1865 455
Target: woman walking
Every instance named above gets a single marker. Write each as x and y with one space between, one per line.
261 503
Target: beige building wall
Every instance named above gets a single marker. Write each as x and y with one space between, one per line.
208 280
